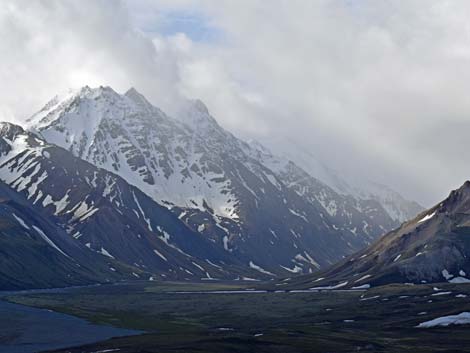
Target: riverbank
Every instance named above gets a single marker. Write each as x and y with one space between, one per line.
25 329
218 318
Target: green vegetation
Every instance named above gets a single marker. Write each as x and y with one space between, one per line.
379 320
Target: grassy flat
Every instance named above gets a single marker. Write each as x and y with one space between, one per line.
378 320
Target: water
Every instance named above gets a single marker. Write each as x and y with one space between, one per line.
31 330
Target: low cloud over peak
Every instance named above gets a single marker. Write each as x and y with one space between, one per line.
375 89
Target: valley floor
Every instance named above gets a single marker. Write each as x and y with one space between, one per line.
183 317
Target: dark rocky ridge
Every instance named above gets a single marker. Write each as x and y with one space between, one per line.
433 247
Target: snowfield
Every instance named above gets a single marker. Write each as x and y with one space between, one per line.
460 319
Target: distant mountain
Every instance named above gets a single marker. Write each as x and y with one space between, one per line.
433 247
263 210
365 218
398 208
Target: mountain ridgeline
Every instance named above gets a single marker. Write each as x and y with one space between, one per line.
109 218
115 188
433 247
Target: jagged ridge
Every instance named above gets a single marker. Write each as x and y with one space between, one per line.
265 210
433 247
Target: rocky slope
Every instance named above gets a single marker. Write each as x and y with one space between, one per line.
37 253
100 212
433 247
263 210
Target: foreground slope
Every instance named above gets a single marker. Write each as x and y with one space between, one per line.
433 247
263 210
36 253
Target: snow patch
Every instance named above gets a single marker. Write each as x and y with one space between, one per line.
427 217
340 285
49 241
460 319
362 278
259 269
459 280
20 221
447 275
160 254
104 252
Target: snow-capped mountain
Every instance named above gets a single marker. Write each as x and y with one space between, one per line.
265 211
128 136
432 247
363 217
104 216
398 208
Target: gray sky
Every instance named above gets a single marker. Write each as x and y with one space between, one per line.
376 88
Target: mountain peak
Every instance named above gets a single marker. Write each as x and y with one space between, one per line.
67 100
462 190
466 185
86 92
199 106
138 98
101 91
195 113
458 200
132 92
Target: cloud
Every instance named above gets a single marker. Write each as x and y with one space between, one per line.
47 47
377 89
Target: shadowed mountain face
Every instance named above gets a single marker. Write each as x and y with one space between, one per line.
262 210
433 247
35 252
97 215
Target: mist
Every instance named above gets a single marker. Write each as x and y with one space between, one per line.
374 89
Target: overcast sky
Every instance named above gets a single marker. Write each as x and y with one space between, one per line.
379 89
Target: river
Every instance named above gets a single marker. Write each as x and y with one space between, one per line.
30 330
